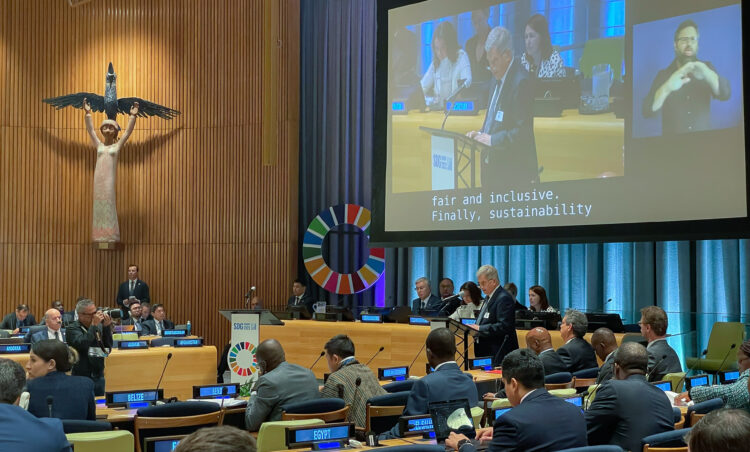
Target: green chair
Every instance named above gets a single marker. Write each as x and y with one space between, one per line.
723 335
676 378
603 51
272 435
111 441
476 415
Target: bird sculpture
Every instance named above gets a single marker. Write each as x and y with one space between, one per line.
109 103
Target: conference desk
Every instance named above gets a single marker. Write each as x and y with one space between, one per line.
570 147
140 369
303 341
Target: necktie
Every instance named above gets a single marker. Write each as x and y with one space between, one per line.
161 327
483 311
298 300
132 287
57 335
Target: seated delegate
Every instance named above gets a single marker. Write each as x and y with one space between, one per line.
72 397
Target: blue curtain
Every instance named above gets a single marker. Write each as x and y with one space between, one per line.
697 283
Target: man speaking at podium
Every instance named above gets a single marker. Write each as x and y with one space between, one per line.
509 123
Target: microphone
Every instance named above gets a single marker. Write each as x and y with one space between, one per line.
169 356
653 369
408 369
224 392
461 85
354 398
731 347
373 356
697 363
317 359
50 400
250 292
448 300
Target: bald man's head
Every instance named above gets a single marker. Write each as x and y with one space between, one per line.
270 354
53 319
604 342
538 339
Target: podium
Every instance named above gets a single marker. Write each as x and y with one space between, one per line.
452 155
245 337
460 331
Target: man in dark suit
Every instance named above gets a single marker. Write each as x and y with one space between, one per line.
604 343
279 384
91 336
508 127
576 353
300 297
135 316
628 408
539 340
17 424
497 319
53 330
15 320
132 289
446 382
158 324
522 428
426 300
345 371
654 328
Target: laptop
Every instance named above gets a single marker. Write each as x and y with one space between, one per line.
451 416
161 443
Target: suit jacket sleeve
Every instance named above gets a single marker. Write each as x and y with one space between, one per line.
7 322
418 399
522 104
147 327
260 404
601 417
505 316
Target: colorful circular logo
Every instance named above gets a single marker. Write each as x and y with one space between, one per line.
321 273
242 360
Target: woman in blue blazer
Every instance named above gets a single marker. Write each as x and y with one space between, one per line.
71 397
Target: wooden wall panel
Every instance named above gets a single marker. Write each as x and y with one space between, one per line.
201 211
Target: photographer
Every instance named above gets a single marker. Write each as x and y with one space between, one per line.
91 336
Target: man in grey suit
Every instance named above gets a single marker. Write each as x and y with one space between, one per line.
426 300
280 383
576 353
662 358
604 343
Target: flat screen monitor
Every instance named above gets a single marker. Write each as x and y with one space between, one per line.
216 391
483 363
393 373
162 443
663 385
451 416
605 320
305 436
621 156
497 412
729 376
698 380
415 425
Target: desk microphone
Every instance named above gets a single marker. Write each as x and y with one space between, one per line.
653 369
354 398
317 359
448 300
247 295
50 400
373 356
408 369
681 380
169 356
224 392
731 347
461 85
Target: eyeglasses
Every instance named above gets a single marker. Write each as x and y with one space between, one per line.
687 39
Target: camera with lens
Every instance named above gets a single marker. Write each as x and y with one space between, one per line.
113 313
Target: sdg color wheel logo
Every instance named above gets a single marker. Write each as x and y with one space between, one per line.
320 272
242 360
